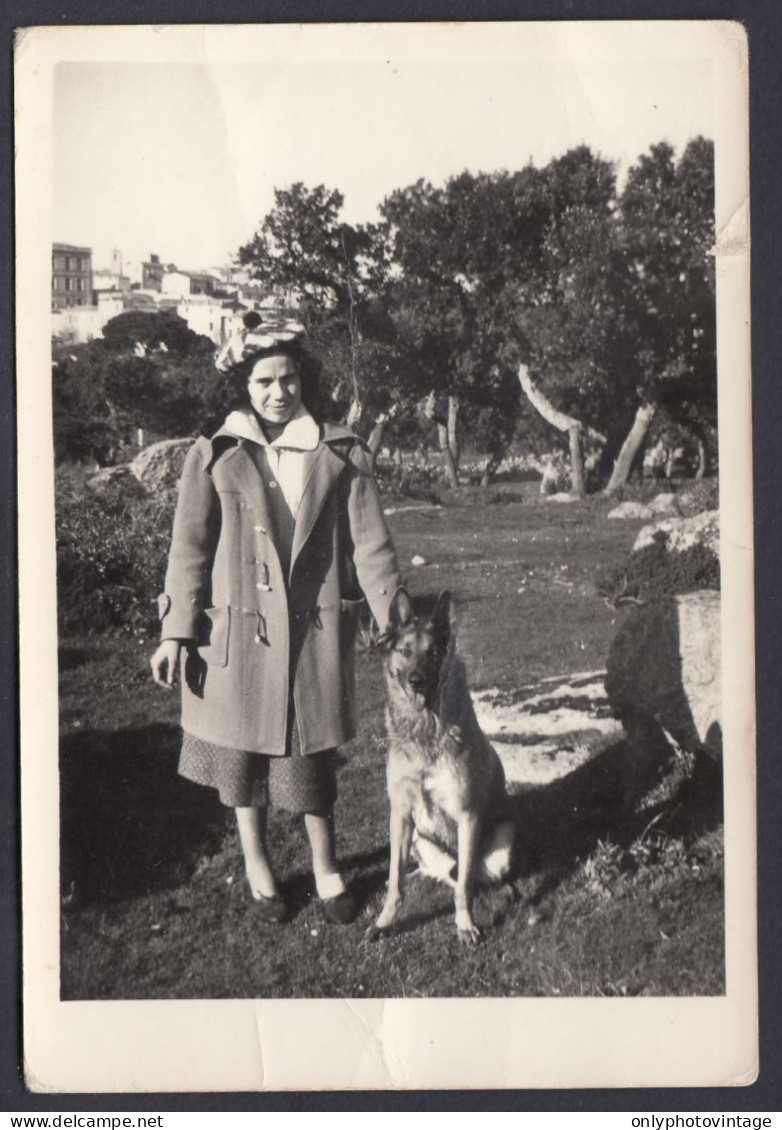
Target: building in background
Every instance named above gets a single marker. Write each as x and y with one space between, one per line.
147 274
71 276
212 302
184 284
111 278
79 324
212 317
152 273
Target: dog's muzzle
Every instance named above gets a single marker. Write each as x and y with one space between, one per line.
417 681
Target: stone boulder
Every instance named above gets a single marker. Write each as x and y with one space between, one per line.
664 672
664 503
113 476
631 510
159 466
683 533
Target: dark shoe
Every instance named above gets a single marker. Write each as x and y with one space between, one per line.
271 908
340 910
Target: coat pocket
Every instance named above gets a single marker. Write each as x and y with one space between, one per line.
214 642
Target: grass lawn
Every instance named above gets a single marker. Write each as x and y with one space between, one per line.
154 899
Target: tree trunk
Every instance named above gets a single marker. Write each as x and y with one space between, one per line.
562 422
578 487
448 460
453 423
492 465
354 413
703 459
444 426
375 440
630 448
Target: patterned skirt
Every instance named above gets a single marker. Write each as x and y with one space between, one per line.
298 783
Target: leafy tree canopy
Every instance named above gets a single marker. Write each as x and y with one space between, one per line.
151 330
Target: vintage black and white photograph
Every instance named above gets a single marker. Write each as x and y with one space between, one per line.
388 468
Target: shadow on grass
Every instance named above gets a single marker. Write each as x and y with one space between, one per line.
616 797
129 825
70 658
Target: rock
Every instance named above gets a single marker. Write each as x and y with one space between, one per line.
634 510
664 671
418 560
684 533
159 466
561 496
113 476
663 504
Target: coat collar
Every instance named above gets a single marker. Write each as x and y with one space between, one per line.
301 433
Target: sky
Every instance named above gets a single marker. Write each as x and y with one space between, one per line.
181 159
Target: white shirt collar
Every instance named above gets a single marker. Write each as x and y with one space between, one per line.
301 433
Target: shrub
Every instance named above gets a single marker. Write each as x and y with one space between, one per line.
112 544
700 496
691 497
411 480
653 572
505 497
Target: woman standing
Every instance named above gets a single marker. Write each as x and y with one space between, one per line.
278 537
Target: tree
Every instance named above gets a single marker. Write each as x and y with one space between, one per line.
612 307
303 248
666 227
305 251
599 307
149 371
441 298
149 331
85 422
552 286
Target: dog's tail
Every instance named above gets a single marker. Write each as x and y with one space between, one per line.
497 855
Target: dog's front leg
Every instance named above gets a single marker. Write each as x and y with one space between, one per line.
401 835
468 832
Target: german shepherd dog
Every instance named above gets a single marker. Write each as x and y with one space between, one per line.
446 783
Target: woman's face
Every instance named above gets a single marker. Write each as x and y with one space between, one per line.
274 386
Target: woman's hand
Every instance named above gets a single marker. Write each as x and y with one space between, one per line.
164 663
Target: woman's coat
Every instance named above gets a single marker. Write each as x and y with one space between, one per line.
255 646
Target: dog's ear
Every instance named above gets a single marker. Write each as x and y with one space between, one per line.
400 614
442 618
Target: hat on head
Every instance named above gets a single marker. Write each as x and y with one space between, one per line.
260 332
